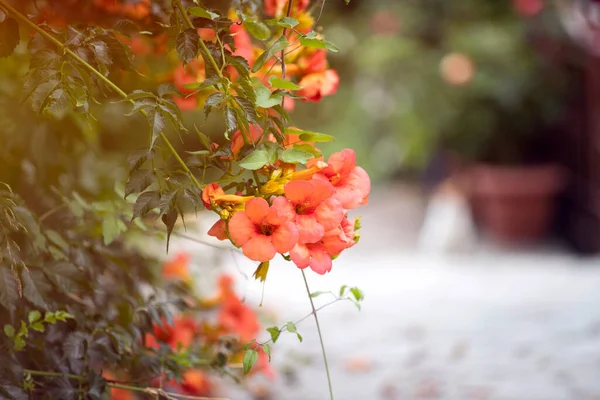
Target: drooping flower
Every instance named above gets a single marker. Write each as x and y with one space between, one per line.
177 268
214 195
264 231
218 230
352 184
235 317
313 255
319 84
316 211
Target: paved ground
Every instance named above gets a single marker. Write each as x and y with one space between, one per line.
492 325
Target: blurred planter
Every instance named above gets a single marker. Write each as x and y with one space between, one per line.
515 204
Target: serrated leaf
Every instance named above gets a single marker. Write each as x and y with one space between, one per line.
57 239
167 89
169 220
74 346
279 83
249 109
202 13
157 124
279 45
250 358
138 158
319 44
187 44
255 160
214 100
295 156
119 52
35 287
138 181
34 316
230 120
261 271
257 29
9 36
145 203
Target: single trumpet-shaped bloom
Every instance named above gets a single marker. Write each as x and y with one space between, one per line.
352 184
319 84
264 231
316 211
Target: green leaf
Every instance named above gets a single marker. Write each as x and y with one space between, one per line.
261 271
214 100
167 89
187 44
275 332
110 229
139 181
319 44
308 136
9 288
343 290
317 294
19 343
231 121
287 22
291 327
34 316
38 327
357 293
278 45
264 97
202 13
169 220
309 149
295 156
257 29
50 317
250 358
267 348
145 203
157 124
9 330
9 36
279 83
255 160
35 287
299 337
57 239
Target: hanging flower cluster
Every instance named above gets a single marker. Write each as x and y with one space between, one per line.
303 213
305 64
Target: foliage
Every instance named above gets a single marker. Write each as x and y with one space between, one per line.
84 313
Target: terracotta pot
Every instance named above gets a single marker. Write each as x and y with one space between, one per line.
515 204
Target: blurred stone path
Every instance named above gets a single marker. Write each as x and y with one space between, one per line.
491 325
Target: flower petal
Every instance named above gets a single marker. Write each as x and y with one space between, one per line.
341 163
300 256
218 230
309 229
257 210
259 248
330 214
298 191
281 211
285 237
320 262
241 229
321 190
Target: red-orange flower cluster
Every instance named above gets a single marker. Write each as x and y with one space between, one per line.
309 221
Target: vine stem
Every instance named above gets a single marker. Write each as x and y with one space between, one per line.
103 78
314 312
148 390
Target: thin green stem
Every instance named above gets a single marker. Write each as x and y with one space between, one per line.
314 312
97 73
53 374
